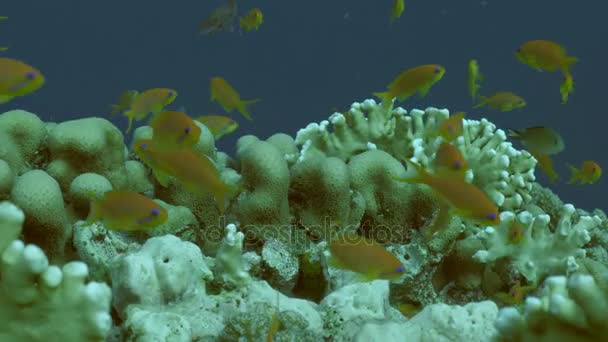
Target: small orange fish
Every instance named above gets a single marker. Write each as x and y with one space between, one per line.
371 260
539 139
545 163
419 80
230 100
465 199
124 102
515 234
516 294
195 172
504 101
17 79
251 20
127 210
449 161
151 101
451 128
174 130
544 55
588 173
218 125
566 87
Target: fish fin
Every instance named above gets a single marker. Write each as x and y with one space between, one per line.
242 108
336 263
3 48
413 174
384 96
161 177
441 221
424 90
5 98
575 174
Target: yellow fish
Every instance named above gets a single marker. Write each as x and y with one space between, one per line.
545 163
474 79
451 128
251 20
516 294
465 199
504 101
371 260
515 234
545 55
195 172
398 8
124 102
419 80
174 130
588 173
126 210
566 87
151 101
539 139
17 79
449 161
223 93
218 125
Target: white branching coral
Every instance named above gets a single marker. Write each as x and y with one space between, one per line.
39 302
504 173
541 251
230 266
568 309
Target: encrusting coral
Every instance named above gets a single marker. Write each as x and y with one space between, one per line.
205 276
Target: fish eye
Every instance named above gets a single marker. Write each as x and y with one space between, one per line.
492 216
155 212
187 130
518 50
437 70
400 269
144 145
170 93
457 164
30 75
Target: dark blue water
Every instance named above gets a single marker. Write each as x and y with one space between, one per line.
311 56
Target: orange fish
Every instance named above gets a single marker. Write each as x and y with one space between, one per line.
127 210
588 173
465 199
515 234
545 163
516 294
419 80
174 129
230 100
451 128
449 161
17 79
151 101
545 55
195 172
366 257
218 125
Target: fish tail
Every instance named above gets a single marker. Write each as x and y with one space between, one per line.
5 98
94 212
567 63
243 108
482 101
575 174
129 115
513 133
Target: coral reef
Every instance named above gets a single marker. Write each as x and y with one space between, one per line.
540 275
